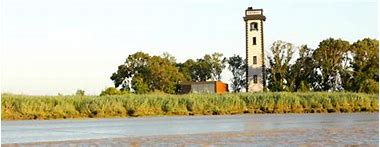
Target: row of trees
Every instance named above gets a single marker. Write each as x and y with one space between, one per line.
335 65
142 73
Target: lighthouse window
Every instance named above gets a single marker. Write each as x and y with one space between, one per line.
254 59
255 79
254 40
254 26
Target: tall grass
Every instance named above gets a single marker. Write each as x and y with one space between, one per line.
18 107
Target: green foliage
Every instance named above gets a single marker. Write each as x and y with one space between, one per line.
80 92
19 107
203 69
301 74
143 73
162 75
335 65
280 66
188 69
329 57
237 65
369 86
139 85
303 87
366 66
217 65
135 63
112 91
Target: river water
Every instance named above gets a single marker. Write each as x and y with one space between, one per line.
243 130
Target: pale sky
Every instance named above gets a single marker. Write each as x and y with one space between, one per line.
50 47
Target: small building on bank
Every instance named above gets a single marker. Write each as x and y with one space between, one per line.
204 87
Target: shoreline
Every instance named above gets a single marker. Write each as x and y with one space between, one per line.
187 116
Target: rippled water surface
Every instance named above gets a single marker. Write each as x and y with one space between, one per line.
245 130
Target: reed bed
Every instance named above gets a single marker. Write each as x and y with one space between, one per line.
24 107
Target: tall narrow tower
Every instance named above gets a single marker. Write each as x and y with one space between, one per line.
254 38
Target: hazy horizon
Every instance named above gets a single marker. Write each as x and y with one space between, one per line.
51 47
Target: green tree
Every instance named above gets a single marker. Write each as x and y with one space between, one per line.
163 75
217 65
134 64
143 73
188 69
80 92
279 66
209 67
301 73
329 58
237 65
365 66
203 69
169 57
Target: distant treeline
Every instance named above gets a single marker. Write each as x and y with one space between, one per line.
22 107
336 65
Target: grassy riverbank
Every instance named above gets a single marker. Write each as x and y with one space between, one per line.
19 107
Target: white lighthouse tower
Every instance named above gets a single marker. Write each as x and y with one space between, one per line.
254 37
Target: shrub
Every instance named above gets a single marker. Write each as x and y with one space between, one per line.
112 91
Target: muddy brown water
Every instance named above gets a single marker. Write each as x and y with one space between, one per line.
229 130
